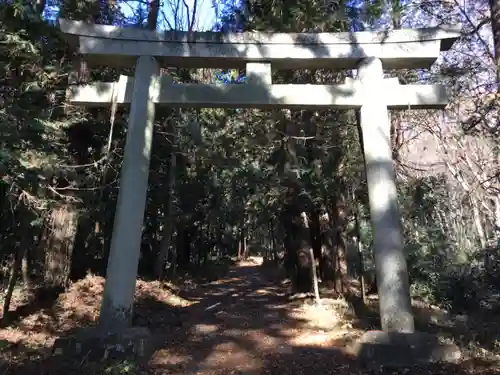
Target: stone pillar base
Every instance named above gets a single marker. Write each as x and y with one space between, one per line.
94 344
394 349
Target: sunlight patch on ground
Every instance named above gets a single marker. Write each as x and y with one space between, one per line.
320 339
266 342
168 358
259 337
230 356
229 280
174 300
330 315
251 262
262 292
205 329
287 333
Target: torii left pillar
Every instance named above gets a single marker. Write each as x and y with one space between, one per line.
114 336
121 275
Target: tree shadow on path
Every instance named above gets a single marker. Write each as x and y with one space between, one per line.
244 324
240 324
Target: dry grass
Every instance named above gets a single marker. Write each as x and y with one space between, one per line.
33 334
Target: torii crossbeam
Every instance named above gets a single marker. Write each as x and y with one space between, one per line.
346 96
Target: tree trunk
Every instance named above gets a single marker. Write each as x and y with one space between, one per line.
273 247
154 6
24 230
341 264
12 283
495 25
242 247
496 220
305 283
81 262
40 7
290 260
328 254
199 243
478 223
359 247
59 246
306 230
340 221
167 223
184 238
315 228
314 275
26 268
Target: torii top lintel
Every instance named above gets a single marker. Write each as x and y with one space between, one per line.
398 49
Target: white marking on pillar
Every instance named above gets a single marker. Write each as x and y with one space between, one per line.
392 275
352 81
259 74
119 289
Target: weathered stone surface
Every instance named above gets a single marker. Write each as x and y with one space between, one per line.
398 49
388 243
396 349
125 249
95 344
260 94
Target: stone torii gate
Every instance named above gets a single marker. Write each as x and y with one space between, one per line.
370 93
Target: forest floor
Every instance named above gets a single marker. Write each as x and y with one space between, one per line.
244 323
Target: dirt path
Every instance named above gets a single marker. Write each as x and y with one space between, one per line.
244 324
241 324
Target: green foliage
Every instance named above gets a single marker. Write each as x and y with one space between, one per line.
445 267
121 368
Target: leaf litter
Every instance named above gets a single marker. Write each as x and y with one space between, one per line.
253 329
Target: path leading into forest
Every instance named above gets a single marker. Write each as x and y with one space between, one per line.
245 324
242 324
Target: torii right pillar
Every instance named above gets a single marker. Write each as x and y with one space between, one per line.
392 274
397 344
